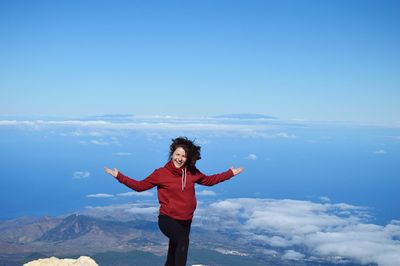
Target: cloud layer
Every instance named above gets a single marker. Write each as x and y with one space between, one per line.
307 230
103 126
100 195
206 192
289 229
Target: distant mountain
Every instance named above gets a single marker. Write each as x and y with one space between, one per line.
76 226
245 116
26 229
71 227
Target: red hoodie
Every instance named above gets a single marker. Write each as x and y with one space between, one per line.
175 188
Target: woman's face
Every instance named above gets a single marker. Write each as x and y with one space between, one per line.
179 157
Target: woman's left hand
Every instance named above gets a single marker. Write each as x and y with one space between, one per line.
237 171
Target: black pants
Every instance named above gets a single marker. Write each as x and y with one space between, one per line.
178 233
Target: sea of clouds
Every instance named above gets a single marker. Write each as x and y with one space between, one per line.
290 229
320 230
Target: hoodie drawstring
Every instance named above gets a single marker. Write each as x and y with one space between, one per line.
183 178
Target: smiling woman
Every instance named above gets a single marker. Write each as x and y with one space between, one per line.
176 193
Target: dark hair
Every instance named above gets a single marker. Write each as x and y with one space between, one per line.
192 151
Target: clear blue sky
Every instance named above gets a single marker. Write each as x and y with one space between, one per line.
315 60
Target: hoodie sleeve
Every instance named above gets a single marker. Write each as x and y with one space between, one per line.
148 183
210 180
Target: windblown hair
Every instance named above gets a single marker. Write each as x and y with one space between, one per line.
192 151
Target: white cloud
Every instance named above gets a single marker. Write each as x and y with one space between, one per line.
143 210
319 230
285 135
8 122
380 152
99 142
137 194
17 123
95 134
231 252
206 193
81 133
252 157
128 212
81 175
100 195
102 142
122 154
292 255
325 199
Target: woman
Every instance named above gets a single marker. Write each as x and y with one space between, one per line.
176 193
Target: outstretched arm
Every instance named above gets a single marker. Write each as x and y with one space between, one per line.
210 180
138 186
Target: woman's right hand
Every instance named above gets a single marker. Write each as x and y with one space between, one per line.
113 172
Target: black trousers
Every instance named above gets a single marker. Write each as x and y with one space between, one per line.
178 233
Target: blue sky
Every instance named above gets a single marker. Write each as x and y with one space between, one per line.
308 60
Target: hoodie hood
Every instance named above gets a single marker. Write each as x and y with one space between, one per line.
177 172
172 168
